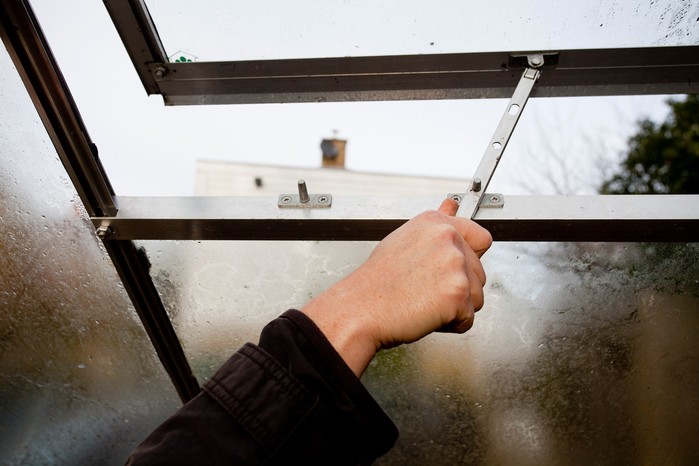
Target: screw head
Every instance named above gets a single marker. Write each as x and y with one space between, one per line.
494 199
536 61
456 197
286 199
323 199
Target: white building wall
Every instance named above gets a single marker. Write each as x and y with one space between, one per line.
216 178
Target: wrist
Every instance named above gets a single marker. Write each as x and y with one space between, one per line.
340 320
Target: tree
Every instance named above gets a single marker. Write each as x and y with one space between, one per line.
662 157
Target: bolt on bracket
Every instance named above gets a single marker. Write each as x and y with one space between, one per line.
160 72
489 200
303 200
104 232
533 60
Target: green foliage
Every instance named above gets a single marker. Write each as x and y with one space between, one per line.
662 158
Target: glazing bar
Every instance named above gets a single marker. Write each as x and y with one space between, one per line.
140 37
521 218
632 71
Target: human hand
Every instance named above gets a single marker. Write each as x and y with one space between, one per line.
423 277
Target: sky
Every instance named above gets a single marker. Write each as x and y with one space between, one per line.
560 144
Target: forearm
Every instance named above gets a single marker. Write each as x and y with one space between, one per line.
338 313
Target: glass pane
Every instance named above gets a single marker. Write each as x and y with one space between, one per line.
220 294
244 30
79 381
584 353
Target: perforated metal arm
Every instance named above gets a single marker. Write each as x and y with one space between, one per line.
493 153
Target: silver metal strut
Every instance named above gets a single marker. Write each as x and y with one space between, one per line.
471 199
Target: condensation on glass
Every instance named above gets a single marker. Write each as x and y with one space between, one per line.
583 354
79 380
220 294
242 30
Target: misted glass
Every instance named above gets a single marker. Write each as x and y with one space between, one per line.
79 380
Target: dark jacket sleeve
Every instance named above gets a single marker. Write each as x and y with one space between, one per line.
289 400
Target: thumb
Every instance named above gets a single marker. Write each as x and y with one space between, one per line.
448 207
477 237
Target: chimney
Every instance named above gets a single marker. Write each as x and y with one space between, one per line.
333 152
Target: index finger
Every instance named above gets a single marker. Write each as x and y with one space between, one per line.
478 238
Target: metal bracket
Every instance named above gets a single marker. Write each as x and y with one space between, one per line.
533 60
489 200
104 232
303 200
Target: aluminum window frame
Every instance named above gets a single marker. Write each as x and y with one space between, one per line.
567 73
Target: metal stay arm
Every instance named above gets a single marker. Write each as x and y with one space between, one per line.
472 198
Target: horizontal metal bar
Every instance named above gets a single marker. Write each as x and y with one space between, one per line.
588 72
631 71
522 218
626 71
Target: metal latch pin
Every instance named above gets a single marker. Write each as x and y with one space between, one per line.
303 192
303 200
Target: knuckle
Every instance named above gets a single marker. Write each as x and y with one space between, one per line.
448 233
466 323
430 215
488 239
461 289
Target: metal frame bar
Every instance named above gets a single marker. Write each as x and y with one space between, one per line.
662 70
520 218
134 270
43 79
140 38
622 71
32 56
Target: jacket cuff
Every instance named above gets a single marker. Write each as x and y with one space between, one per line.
314 361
